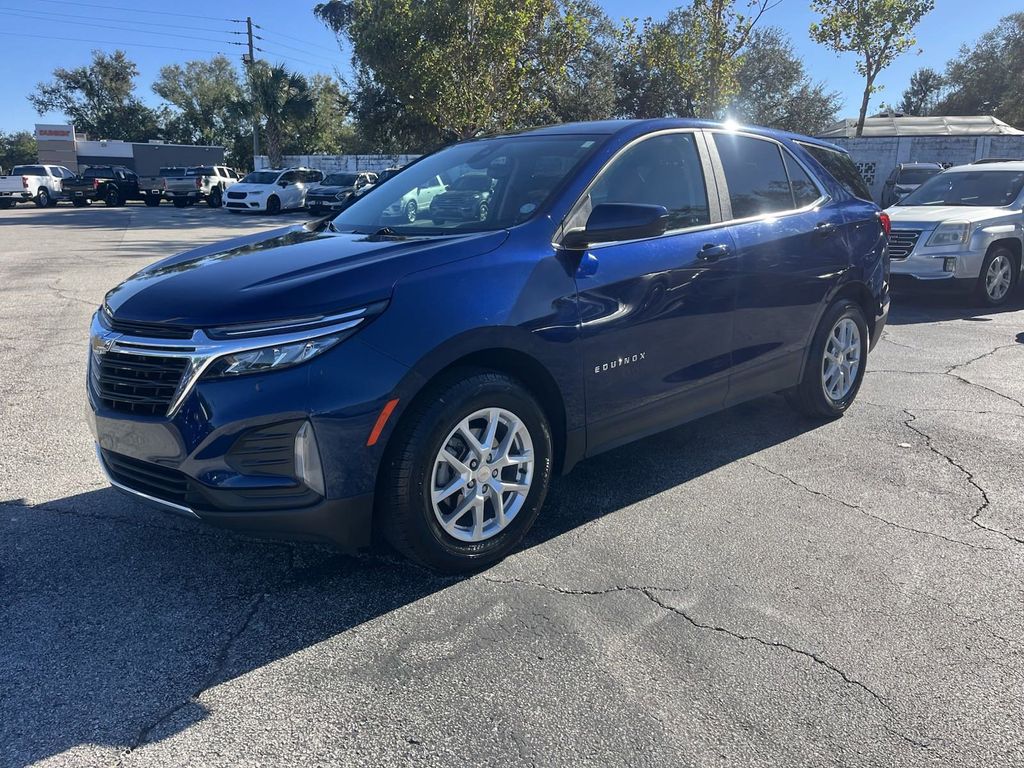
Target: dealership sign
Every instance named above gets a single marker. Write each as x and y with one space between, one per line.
55 132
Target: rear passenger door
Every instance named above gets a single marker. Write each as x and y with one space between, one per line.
791 251
656 313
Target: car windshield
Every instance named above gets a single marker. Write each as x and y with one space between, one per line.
968 188
509 178
261 177
339 180
916 175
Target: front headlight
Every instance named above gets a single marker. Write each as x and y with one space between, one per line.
273 358
951 233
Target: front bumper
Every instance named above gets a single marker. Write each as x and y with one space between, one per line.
246 204
327 203
16 196
228 454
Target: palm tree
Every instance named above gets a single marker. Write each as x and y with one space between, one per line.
280 101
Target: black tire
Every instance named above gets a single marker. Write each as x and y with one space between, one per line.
273 205
112 197
404 506
411 211
482 211
982 293
809 396
152 201
79 202
180 202
5 204
43 199
216 198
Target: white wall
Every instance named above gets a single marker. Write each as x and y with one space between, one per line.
342 163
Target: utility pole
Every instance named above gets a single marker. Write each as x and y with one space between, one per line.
255 116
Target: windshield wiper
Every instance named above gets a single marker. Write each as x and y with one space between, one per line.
385 233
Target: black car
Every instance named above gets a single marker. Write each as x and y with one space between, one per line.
332 193
468 199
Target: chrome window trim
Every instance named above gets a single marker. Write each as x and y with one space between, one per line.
723 183
202 351
178 508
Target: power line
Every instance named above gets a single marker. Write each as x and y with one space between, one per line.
286 57
58 15
120 29
295 39
76 4
115 43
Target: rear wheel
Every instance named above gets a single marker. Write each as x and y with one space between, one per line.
112 197
180 202
5 204
79 202
152 201
998 278
467 473
43 198
274 205
835 365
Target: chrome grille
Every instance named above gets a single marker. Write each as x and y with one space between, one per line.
902 242
140 384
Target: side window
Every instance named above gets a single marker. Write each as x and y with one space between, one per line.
662 170
290 178
805 191
756 175
842 169
315 176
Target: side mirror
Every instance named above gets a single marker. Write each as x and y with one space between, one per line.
609 222
282 184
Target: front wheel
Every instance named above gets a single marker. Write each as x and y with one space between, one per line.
411 211
215 198
998 278
467 473
835 363
273 205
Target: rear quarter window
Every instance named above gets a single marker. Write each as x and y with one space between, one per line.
841 168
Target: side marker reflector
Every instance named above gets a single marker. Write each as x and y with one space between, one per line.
385 414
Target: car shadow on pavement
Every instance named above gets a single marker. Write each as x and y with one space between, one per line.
913 307
140 216
116 617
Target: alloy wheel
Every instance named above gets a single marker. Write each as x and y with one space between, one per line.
482 475
998 277
841 362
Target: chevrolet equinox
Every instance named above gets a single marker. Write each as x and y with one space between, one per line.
421 378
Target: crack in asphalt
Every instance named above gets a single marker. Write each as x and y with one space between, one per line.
648 592
220 660
982 356
858 508
968 475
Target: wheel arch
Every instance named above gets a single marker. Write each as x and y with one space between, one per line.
1014 244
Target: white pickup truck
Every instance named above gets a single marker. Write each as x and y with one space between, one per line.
41 184
963 228
203 182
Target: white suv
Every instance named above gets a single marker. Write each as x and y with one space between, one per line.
962 228
272 191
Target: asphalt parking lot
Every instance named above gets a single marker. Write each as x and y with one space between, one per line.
749 590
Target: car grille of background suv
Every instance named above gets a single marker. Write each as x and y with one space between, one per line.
902 242
140 384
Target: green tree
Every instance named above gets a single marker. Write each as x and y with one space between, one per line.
987 78
773 88
922 95
877 31
99 99
326 130
281 101
17 148
462 66
203 98
653 73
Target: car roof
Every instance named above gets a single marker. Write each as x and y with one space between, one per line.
640 127
1009 165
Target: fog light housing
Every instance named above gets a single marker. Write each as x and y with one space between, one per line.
307 459
949 264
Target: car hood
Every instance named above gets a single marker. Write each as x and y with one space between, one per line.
281 274
239 187
328 190
930 215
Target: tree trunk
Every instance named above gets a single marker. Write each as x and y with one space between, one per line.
864 105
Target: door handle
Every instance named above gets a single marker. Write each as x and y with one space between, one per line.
712 252
825 229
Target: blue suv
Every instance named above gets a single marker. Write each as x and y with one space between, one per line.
420 379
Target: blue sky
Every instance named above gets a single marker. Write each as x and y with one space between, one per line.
38 35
